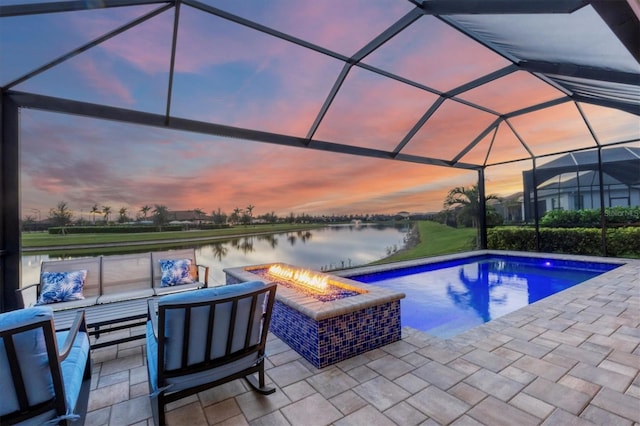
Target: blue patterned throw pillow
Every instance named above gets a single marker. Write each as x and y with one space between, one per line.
175 272
61 286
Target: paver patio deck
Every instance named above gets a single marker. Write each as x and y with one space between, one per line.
570 359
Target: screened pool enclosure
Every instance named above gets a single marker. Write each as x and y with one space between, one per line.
498 93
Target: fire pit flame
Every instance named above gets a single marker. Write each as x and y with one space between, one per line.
300 277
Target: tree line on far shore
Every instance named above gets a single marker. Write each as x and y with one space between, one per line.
159 215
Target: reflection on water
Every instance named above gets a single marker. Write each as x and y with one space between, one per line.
326 248
472 292
447 299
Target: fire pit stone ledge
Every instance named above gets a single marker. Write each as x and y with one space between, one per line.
328 332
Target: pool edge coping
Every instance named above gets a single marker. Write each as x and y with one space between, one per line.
511 319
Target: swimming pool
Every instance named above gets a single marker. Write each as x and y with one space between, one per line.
449 297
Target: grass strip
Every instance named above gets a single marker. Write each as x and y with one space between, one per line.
44 239
435 239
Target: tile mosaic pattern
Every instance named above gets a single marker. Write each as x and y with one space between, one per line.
331 340
325 333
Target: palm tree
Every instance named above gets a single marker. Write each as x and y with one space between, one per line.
235 216
144 210
95 210
160 215
219 250
199 213
468 201
219 218
106 211
250 212
123 215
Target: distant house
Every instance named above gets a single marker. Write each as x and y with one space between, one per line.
509 207
572 182
187 216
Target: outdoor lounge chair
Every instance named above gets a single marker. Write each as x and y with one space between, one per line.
204 338
42 384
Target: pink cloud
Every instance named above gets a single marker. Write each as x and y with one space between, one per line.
512 92
346 27
146 46
86 162
101 78
434 54
449 130
224 174
554 129
374 112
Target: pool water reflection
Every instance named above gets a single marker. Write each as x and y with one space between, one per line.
447 298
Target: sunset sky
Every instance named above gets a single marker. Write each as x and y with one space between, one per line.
233 75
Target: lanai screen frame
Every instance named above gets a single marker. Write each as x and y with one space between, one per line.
13 101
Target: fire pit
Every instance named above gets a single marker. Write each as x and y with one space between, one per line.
326 318
313 284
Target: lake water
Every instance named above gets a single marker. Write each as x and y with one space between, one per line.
331 247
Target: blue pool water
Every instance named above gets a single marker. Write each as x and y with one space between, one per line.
448 298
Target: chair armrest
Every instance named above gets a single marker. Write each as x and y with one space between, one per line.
29 287
78 325
37 285
206 274
152 316
26 292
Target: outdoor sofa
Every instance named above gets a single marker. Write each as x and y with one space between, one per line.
113 290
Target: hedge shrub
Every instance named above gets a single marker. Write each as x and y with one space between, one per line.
122 229
621 242
590 218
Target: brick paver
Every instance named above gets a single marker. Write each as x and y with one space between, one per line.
573 358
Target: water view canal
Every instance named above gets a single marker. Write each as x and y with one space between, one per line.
331 247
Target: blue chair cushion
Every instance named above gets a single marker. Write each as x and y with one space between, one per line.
32 356
174 322
152 357
34 363
211 293
73 366
61 286
190 380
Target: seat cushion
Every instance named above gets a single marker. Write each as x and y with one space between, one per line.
32 357
73 367
211 293
74 304
126 295
162 291
190 380
152 357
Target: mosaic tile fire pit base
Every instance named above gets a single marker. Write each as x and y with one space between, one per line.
325 333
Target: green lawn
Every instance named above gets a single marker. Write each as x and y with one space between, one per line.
44 239
436 239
